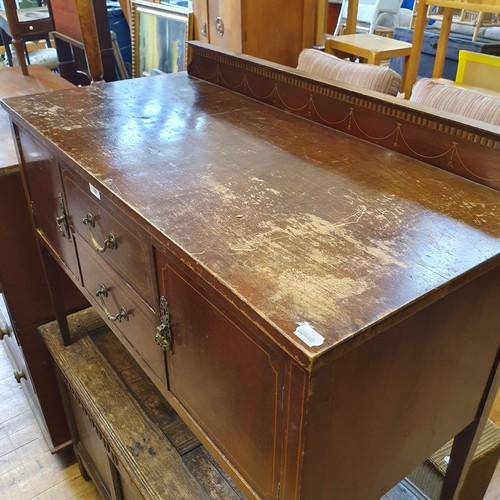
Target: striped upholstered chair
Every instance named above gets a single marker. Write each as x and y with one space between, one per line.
365 76
472 103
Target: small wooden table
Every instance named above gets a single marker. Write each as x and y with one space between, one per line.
34 24
371 48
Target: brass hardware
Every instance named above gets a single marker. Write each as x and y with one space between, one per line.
163 335
219 26
204 29
19 375
122 312
62 219
110 242
4 332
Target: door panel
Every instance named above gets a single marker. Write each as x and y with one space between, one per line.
229 380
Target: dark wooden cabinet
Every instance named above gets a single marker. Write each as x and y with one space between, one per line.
276 31
25 300
312 319
25 304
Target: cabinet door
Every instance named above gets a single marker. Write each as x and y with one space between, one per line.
47 198
228 378
224 19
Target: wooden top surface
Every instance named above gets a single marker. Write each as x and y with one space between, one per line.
29 14
369 43
294 222
13 83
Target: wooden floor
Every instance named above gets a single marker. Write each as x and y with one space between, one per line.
29 471
27 468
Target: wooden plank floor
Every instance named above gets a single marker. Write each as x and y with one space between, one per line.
27 468
29 471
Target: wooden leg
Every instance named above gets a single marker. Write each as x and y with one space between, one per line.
416 48
479 22
52 271
6 41
21 57
444 35
352 16
404 76
465 443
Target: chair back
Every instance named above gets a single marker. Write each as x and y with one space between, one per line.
370 12
83 24
478 70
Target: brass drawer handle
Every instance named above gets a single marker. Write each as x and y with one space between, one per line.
62 219
122 312
110 242
163 337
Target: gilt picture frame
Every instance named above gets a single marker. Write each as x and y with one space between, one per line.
159 38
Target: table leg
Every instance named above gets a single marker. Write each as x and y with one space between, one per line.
465 443
416 48
404 76
444 35
21 57
352 17
6 40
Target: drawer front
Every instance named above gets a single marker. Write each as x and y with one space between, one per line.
47 196
128 256
137 332
229 381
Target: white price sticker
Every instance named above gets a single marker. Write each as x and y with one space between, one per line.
309 335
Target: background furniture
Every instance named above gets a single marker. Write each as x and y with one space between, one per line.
83 41
491 6
456 43
370 48
370 13
25 300
159 38
21 26
478 70
251 26
365 76
221 333
462 17
445 96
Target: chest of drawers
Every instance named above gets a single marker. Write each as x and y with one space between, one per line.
312 319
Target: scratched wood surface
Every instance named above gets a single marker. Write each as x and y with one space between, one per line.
294 222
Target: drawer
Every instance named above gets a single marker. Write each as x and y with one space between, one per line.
136 331
46 194
229 379
129 255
